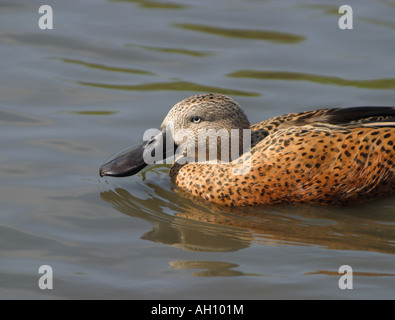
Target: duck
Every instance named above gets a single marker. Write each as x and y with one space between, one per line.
333 156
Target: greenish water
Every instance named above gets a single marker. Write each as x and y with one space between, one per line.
73 96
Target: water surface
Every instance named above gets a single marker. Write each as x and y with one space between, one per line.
73 96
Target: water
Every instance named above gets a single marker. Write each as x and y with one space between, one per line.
72 96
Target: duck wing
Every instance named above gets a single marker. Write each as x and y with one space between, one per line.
380 116
339 117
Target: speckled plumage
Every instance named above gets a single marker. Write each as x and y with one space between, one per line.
330 156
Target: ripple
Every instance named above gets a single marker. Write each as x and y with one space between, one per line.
155 5
8 117
66 145
265 35
326 8
173 86
189 52
384 84
103 67
382 23
94 113
359 274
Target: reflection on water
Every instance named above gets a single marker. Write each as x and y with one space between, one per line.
295 76
244 34
188 52
94 113
358 274
104 67
325 8
174 85
192 224
155 4
211 268
172 230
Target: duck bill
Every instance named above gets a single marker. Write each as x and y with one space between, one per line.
151 151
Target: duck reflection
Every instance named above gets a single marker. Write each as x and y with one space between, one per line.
191 224
210 268
187 234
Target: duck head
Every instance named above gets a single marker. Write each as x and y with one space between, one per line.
205 127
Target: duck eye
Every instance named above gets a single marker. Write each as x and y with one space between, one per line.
196 119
